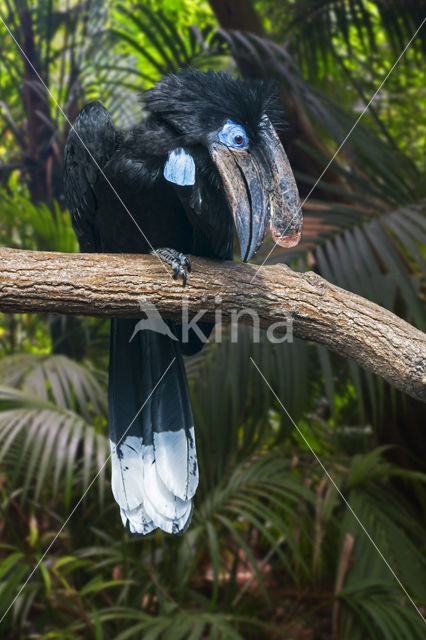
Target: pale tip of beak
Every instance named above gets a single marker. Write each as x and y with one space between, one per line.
287 241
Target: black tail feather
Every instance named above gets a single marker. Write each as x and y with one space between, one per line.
154 464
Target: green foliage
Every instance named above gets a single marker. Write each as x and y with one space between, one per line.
254 503
371 210
44 428
159 45
364 227
25 225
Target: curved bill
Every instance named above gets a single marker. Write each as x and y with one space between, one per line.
260 188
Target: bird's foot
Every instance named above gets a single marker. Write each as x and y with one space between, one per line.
177 260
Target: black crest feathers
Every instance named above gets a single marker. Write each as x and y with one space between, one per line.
193 102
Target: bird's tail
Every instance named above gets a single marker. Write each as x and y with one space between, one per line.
153 456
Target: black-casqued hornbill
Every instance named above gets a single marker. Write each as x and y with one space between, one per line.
206 159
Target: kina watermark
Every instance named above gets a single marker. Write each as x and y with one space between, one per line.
190 324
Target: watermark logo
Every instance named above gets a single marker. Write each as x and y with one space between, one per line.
152 322
276 333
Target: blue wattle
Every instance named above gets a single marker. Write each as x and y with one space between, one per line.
180 168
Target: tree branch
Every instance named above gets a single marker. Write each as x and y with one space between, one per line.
114 285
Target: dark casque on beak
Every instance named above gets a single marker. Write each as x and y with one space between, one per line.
260 188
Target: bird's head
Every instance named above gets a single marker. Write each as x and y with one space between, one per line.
233 121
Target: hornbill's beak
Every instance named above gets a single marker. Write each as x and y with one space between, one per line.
260 188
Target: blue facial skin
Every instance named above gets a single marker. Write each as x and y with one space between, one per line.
180 168
234 136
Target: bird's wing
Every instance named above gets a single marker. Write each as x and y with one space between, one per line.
90 143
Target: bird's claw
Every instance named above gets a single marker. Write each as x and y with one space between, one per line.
177 261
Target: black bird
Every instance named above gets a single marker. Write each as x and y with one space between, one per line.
205 160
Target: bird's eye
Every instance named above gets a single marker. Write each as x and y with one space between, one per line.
233 135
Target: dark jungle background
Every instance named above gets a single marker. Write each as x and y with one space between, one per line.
273 550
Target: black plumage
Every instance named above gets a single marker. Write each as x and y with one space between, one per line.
204 161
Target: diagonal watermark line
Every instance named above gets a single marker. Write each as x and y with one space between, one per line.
300 432
154 251
80 501
407 46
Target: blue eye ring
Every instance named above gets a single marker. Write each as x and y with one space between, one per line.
233 135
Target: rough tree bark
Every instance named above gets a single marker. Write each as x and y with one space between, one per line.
115 284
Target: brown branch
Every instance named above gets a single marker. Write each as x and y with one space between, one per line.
114 285
342 569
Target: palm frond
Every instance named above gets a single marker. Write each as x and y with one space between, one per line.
159 46
45 446
371 596
263 493
372 607
57 379
315 30
26 225
175 624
